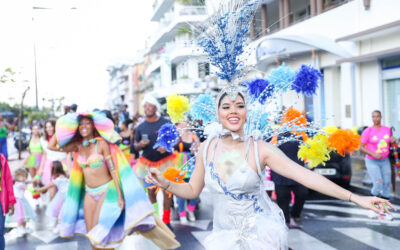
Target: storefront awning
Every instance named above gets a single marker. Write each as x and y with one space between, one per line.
280 45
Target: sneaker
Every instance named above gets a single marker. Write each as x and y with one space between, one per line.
183 219
21 231
191 216
372 215
386 217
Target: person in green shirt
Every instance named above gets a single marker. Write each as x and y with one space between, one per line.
4 125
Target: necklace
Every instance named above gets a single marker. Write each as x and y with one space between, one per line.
86 142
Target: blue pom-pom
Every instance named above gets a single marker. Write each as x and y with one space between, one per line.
260 89
281 77
168 137
306 80
203 108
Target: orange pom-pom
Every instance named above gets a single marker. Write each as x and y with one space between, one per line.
344 140
173 174
293 117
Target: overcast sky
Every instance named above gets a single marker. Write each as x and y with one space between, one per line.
73 46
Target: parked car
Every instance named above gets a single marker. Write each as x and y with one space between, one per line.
337 169
24 142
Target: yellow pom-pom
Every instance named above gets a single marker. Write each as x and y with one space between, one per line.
177 106
355 130
329 129
314 151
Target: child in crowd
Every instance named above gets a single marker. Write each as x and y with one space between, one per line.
35 152
60 182
23 210
7 198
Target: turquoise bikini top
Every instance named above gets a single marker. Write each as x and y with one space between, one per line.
94 161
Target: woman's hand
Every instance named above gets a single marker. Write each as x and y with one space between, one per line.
155 177
121 202
378 205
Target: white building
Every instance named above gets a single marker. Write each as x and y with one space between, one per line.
177 64
121 88
356 45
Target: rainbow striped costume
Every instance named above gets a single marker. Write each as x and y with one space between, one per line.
113 224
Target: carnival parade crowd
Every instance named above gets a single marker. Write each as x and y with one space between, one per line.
98 173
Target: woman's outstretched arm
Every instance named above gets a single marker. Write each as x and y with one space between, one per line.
278 162
70 147
187 191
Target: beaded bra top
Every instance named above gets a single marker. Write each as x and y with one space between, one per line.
94 161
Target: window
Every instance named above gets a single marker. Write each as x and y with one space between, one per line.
299 10
329 4
204 70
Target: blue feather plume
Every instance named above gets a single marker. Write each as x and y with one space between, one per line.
281 77
306 80
260 89
168 137
225 36
203 108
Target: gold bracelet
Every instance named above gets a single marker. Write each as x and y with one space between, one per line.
350 196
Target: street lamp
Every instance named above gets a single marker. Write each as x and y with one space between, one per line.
34 53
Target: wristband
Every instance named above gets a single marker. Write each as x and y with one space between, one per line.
37 177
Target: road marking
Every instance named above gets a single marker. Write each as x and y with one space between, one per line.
353 219
200 224
45 235
66 245
370 237
339 202
201 236
348 210
136 242
299 240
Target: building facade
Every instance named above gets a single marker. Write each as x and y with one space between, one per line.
354 43
176 64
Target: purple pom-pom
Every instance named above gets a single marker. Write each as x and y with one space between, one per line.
306 80
260 89
168 137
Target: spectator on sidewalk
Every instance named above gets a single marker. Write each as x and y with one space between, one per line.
4 126
145 139
7 197
74 108
375 142
125 113
284 187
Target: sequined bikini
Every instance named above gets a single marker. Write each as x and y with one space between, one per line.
94 161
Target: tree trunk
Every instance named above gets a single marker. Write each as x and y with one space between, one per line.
21 112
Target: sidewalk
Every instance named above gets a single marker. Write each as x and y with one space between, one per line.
15 163
360 180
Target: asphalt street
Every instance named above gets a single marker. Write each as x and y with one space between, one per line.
327 224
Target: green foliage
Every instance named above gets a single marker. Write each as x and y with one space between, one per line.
184 30
29 112
7 76
192 2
